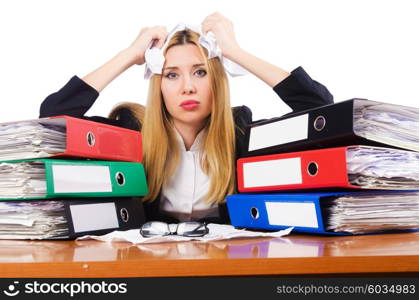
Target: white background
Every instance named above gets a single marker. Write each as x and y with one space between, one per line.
358 48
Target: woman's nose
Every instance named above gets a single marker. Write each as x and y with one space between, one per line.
188 86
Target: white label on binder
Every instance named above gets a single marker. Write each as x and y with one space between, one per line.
97 216
81 179
278 133
272 172
302 214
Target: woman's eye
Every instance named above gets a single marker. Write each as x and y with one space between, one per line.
201 72
171 75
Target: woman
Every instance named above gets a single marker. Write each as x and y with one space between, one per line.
191 136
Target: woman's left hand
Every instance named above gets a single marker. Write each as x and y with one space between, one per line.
222 28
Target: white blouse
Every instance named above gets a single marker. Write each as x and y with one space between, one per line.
183 195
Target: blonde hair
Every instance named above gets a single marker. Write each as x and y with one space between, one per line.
160 147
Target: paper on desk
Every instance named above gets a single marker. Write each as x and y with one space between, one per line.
216 232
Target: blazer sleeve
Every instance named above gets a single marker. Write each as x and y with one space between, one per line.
75 98
300 92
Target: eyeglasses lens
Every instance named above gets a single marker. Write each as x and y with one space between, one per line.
155 228
189 229
192 229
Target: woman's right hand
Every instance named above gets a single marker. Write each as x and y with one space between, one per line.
147 35
134 54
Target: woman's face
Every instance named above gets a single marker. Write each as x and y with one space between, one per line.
186 86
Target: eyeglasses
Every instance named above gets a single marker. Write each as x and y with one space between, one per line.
188 229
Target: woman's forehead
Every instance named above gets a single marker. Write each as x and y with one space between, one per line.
183 56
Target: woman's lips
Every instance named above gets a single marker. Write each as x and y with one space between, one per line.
189 104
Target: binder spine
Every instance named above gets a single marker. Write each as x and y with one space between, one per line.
327 126
129 212
101 141
325 168
108 178
128 179
253 211
331 121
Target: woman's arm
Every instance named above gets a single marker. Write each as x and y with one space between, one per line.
223 31
78 95
105 74
296 89
75 98
134 54
267 72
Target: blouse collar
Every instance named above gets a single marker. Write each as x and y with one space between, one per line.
196 145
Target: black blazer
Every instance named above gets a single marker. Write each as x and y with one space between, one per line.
298 91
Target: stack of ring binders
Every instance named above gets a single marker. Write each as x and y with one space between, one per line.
63 177
345 168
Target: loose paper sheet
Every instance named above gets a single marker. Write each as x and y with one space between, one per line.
216 232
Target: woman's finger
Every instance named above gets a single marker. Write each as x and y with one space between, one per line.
160 36
155 36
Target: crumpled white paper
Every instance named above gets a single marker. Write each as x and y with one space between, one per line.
216 232
154 57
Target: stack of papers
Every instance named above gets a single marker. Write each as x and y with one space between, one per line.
383 168
390 124
373 212
31 139
22 180
33 220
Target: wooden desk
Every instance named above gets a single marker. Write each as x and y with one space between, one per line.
295 254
